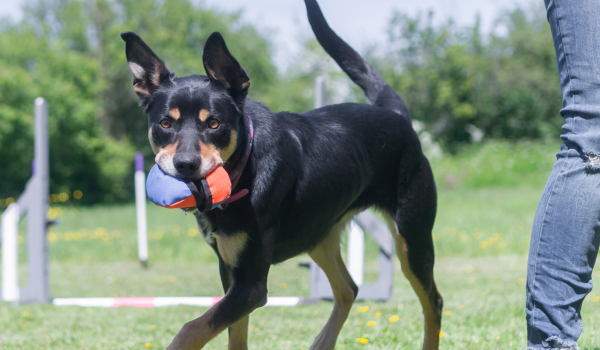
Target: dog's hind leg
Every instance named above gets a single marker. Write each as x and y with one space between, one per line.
414 246
327 256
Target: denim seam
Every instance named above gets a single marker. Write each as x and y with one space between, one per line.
567 65
537 250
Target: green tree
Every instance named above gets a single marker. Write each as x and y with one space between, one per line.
70 52
457 80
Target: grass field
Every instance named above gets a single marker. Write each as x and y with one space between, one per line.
481 240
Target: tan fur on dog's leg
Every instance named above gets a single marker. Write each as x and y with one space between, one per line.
432 331
195 334
238 335
430 314
327 256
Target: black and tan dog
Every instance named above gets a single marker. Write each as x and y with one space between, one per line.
307 174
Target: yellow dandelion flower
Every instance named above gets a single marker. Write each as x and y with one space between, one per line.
371 323
442 334
52 237
377 314
394 319
23 325
315 313
26 314
362 309
153 327
360 323
596 299
149 345
447 313
521 281
256 329
362 340
283 285
460 307
469 269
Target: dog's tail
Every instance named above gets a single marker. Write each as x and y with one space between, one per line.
376 89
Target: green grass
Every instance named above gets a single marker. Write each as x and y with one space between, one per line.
486 203
93 254
470 223
484 298
497 164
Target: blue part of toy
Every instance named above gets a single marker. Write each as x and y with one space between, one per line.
165 190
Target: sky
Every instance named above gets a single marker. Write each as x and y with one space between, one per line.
361 23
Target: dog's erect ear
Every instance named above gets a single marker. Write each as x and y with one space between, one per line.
221 66
149 71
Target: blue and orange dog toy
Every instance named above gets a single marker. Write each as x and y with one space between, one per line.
206 194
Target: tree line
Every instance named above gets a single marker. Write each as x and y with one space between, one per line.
462 84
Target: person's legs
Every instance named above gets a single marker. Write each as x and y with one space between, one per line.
566 229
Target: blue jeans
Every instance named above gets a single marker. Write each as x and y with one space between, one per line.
566 228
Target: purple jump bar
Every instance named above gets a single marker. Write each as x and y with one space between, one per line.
139 161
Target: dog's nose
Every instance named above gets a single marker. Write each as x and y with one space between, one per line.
186 164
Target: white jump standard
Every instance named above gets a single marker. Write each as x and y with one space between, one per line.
33 202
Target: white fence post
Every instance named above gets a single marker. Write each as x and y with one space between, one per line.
356 253
10 253
140 205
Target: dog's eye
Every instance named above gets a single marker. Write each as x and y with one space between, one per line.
165 123
213 123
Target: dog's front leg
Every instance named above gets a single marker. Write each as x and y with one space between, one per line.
239 301
248 291
238 332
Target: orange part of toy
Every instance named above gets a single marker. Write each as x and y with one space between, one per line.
219 184
188 202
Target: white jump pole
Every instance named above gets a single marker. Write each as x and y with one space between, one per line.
140 205
10 253
356 253
150 302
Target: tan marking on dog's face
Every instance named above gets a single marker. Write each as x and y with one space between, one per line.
228 151
164 158
152 145
230 247
246 84
204 114
210 158
174 113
